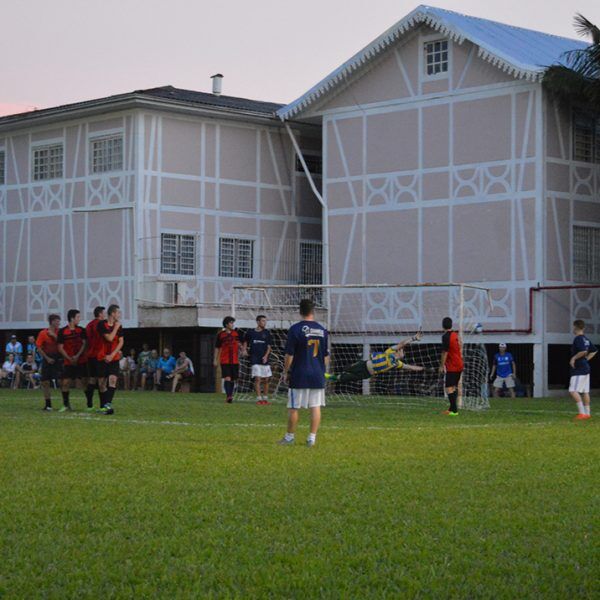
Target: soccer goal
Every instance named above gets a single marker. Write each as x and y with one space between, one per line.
365 319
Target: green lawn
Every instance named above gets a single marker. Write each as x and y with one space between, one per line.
187 497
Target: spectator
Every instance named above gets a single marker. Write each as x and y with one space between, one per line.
30 372
9 372
505 369
124 372
143 356
133 369
33 349
166 366
16 348
148 368
184 369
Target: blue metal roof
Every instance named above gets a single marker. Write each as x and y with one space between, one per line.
524 53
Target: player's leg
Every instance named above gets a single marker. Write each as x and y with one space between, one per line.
176 380
586 404
452 379
65 386
257 389
510 386
91 383
575 390
113 379
47 375
497 386
316 399
266 382
355 372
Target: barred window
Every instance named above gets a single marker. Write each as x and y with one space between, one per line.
436 57
2 167
314 162
178 254
48 162
586 254
586 137
236 258
106 154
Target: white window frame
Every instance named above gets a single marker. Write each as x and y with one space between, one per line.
36 146
102 136
428 39
178 276
241 238
3 166
593 252
595 137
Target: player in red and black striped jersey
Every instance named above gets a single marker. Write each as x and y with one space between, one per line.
227 352
94 342
72 343
47 346
451 364
109 354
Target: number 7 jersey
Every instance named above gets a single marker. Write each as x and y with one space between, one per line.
307 342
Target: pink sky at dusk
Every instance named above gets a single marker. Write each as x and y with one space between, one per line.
67 50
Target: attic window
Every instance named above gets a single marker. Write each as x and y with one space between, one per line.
436 57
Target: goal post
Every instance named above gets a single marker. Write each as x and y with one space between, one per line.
368 318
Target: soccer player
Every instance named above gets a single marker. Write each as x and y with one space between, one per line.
377 363
72 343
94 342
47 344
582 351
305 363
257 344
111 334
451 363
227 347
505 369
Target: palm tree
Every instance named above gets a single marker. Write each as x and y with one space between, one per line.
578 79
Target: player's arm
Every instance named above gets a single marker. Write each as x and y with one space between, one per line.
47 358
591 355
265 358
287 363
514 367
406 367
109 337
83 347
415 338
577 356
217 355
110 356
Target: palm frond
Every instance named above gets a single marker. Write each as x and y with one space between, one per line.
586 28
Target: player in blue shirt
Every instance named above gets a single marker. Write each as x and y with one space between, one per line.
305 363
504 371
257 346
582 351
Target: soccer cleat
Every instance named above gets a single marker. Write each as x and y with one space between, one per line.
582 417
229 400
65 409
48 408
452 414
108 409
446 412
284 442
331 377
310 443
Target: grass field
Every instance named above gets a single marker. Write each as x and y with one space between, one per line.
184 496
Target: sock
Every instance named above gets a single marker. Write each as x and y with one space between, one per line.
580 407
48 402
289 437
312 437
110 392
452 399
587 409
103 397
65 396
89 394
229 388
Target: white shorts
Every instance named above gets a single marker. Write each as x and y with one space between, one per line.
305 398
580 383
261 371
500 381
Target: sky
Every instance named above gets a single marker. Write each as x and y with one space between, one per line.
65 51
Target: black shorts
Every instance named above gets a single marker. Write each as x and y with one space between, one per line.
74 371
104 369
231 371
92 367
452 378
51 371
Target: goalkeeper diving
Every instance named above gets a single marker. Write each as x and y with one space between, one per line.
377 363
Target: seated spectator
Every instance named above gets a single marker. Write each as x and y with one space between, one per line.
8 372
132 360
184 369
148 368
30 372
33 349
15 348
124 372
143 356
166 366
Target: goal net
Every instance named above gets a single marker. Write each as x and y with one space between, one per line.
363 320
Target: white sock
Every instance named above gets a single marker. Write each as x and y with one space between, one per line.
586 409
289 437
312 437
580 407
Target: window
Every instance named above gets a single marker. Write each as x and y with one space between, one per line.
178 254
311 263
48 162
436 57
2 168
314 162
236 258
106 154
586 137
586 254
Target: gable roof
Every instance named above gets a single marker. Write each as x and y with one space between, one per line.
523 53
166 96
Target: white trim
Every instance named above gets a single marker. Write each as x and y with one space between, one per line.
423 76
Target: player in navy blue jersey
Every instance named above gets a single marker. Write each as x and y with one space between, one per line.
305 363
582 351
257 346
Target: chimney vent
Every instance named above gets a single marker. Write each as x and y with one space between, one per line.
217 81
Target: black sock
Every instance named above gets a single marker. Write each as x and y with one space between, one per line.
65 396
48 402
103 397
110 394
89 394
452 398
229 388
